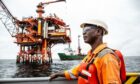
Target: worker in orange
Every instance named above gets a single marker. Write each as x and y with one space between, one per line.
101 65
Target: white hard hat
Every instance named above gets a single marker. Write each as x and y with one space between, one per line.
97 23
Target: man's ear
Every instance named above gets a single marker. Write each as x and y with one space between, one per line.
99 31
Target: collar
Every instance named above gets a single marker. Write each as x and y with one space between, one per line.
98 49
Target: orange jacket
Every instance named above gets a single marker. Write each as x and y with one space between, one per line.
108 67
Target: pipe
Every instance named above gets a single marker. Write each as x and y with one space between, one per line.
39 27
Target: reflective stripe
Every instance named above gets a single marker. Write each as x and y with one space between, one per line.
83 76
67 76
71 75
106 51
86 73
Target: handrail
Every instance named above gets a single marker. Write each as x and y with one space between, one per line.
133 74
132 78
36 80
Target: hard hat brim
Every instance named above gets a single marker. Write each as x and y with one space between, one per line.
91 23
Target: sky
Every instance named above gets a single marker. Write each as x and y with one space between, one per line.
121 16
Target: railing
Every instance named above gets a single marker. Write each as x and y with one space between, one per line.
65 31
132 78
37 80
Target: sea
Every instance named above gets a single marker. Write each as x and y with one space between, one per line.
9 68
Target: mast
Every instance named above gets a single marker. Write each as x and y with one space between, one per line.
79 48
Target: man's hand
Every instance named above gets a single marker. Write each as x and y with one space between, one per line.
55 75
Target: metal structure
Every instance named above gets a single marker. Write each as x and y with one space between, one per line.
8 19
35 36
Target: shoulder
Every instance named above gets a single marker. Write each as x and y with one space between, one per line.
107 55
109 58
107 52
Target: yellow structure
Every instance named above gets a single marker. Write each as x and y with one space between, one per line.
133 78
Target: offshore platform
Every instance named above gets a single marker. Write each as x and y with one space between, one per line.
35 36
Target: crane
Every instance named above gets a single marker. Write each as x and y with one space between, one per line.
8 19
36 36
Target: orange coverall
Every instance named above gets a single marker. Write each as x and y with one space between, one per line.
108 67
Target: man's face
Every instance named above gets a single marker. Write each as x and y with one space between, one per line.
89 34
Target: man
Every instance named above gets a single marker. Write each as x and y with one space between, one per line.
101 65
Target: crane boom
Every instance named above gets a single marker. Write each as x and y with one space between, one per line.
5 9
52 2
8 20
